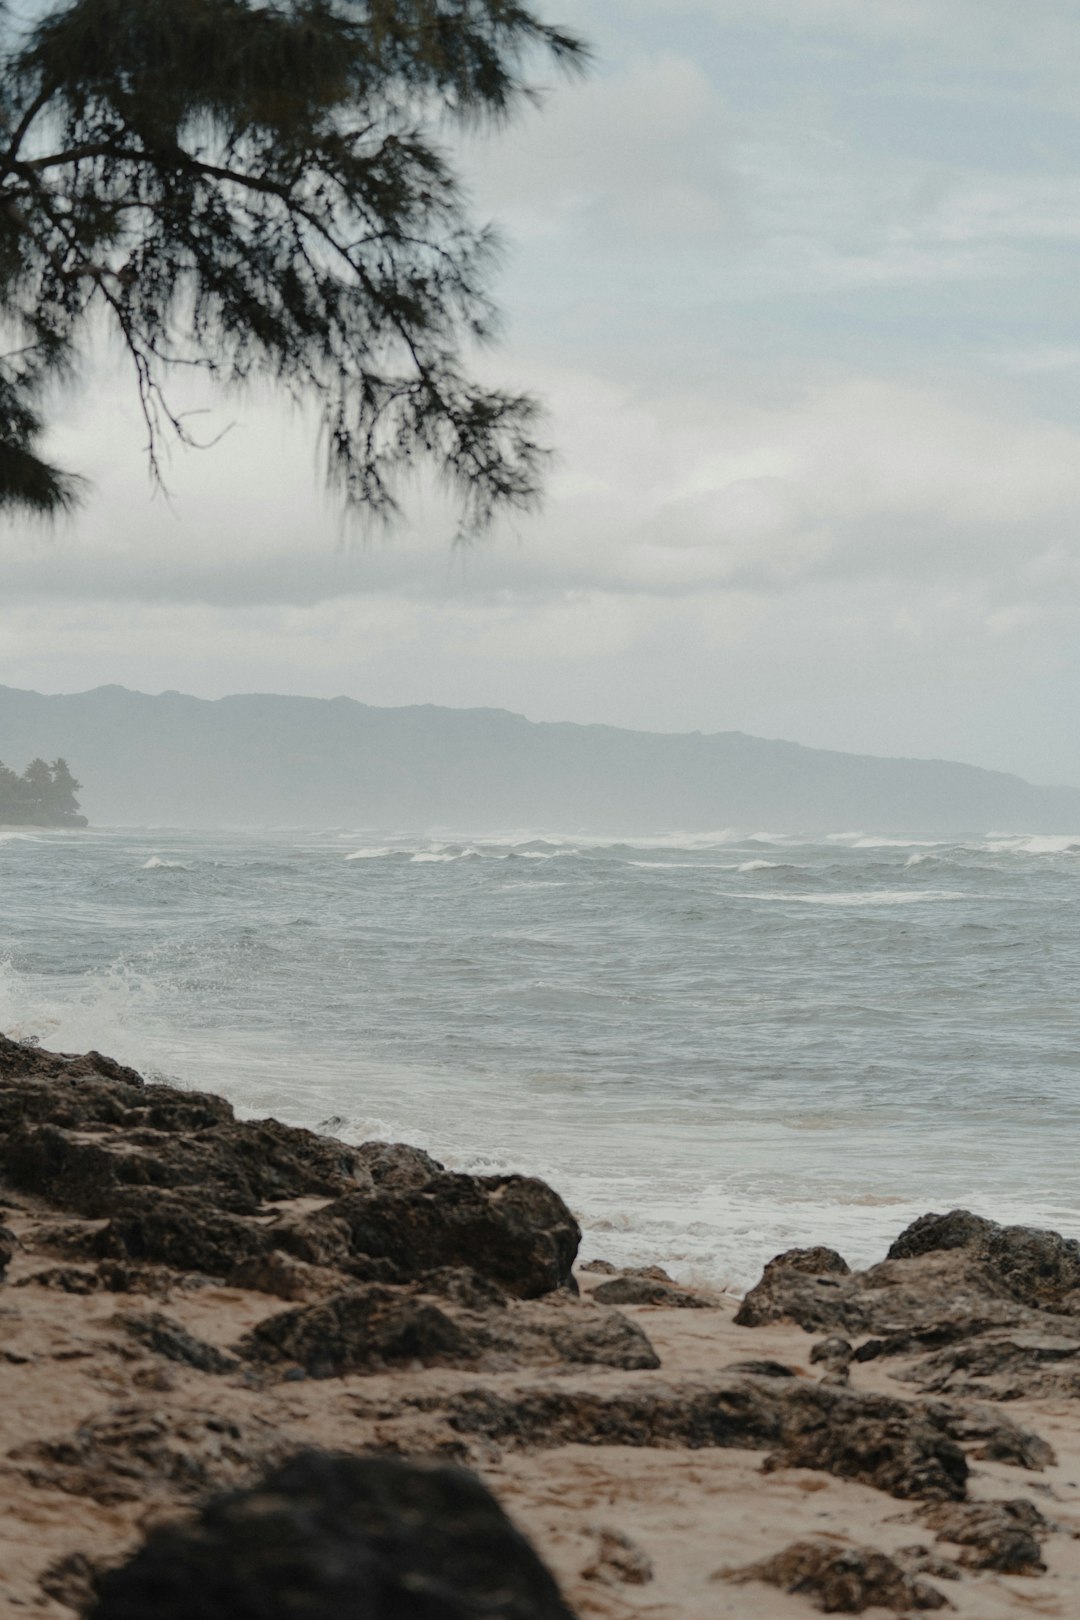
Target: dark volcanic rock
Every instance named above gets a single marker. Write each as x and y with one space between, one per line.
959 1229
896 1446
991 1437
66 1279
8 1244
647 1291
235 1166
815 1261
930 1300
395 1164
340 1537
950 1280
167 1338
135 1450
284 1276
319 1237
463 1286
22 1062
1006 1536
842 1580
112 1277
761 1369
1039 1268
513 1229
180 1232
180 1181
881 1443
835 1355
360 1331
80 1131
366 1329
583 1335
1000 1367
806 1281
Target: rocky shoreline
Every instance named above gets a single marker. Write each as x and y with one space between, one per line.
242 1362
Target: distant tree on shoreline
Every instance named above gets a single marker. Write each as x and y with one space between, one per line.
43 796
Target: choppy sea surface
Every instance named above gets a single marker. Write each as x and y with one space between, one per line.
715 1047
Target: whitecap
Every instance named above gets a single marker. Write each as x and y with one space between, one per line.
686 866
760 866
1059 844
439 856
156 864
863 897
862 840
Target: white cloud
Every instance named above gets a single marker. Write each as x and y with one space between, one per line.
600 156
844 478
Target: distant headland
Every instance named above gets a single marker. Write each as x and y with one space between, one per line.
263 760
43 796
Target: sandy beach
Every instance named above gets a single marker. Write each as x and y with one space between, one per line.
648 1450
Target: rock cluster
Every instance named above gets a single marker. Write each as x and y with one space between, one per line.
387 1256
453 1300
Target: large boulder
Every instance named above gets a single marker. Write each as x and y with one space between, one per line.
339 1537
959 1229
366 1329
949 1279
1039 1268
514 1230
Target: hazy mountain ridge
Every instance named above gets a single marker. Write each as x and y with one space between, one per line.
269 760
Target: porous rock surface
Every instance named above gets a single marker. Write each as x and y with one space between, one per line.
843 1580
908 1449
948 1280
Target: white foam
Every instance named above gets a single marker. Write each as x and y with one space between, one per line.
540 883
100 1014
1060 844
369 854
862 897
156 864
687 866
861 840
760 866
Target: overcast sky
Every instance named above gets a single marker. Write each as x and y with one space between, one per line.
800 283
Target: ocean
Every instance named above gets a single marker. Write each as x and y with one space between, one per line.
715 1047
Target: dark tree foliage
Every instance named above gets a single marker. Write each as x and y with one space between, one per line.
43 796
260 190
